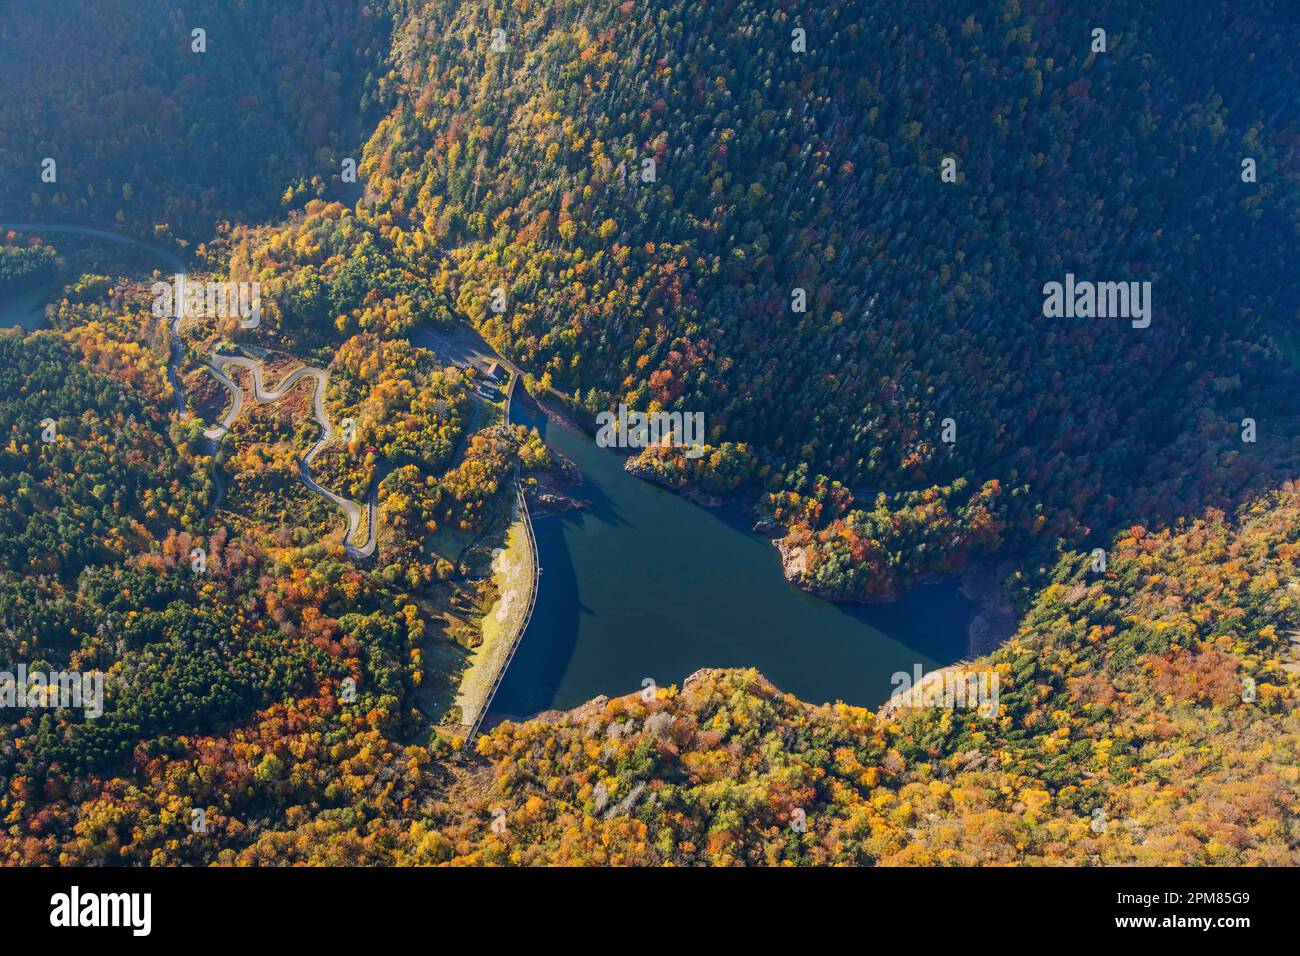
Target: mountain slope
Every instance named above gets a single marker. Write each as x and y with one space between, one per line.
523 170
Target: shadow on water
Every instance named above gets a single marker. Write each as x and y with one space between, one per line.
642 583
25 308
921 620
539 666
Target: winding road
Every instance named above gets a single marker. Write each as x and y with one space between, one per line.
217 366
261 393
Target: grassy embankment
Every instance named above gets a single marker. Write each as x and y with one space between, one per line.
512 574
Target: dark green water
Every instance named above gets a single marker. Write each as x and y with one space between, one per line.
26 308
645 584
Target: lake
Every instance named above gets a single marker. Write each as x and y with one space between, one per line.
26 308
642 583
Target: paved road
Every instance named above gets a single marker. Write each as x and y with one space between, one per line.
172 260
261 393
217 366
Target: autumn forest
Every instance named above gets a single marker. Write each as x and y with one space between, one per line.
297 542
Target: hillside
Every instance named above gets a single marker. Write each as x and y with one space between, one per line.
775 170
146 129
1122 693
673 206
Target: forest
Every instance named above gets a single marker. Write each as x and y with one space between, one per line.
25 265
775 172
681 207
1121 693
147 131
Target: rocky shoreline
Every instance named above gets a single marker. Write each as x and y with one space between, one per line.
552 492
985 583
689 492
982 581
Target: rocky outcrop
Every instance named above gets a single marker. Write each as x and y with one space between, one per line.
984 582
634 467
